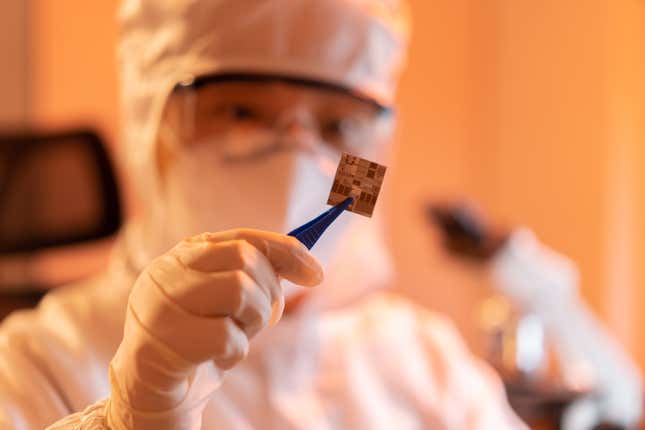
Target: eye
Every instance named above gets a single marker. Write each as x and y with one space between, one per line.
240 112
334 128
343 128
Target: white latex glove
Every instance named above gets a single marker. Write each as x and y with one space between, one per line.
191 315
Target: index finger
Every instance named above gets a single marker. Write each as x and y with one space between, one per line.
288 257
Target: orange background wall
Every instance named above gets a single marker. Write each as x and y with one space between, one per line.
534 109
72 63
13 82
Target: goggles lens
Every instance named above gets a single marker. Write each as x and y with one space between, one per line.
276 115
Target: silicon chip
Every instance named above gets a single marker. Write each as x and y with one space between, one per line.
358 178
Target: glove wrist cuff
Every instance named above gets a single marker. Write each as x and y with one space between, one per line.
186 415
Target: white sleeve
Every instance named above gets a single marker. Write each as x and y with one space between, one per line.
29 398
92 418
53 361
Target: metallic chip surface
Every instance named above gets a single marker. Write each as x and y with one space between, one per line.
358 178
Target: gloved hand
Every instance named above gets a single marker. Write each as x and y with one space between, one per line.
191 315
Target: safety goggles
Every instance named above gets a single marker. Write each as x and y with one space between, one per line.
277 113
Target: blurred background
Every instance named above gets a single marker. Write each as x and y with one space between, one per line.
532 109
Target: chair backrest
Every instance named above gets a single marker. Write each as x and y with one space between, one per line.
57 190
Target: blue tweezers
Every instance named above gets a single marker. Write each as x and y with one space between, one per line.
310 232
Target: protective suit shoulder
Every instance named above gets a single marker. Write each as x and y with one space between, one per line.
53 359
449 378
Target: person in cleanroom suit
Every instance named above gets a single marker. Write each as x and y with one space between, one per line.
235 114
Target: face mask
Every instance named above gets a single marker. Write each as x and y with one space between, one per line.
277 190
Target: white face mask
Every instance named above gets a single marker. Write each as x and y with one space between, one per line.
277 191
